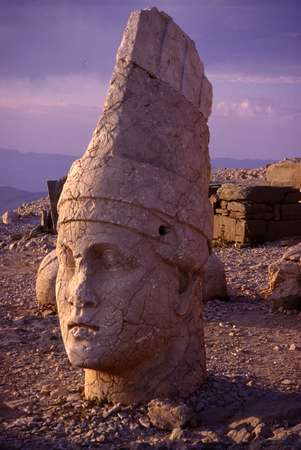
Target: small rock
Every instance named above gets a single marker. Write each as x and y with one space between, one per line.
57 393
251 422
176 434
46 389
13 246
209 437
286 382
116 408
144 421
262 431
75 397
292 347
168 415
240 436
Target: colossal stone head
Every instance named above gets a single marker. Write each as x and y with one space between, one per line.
135 223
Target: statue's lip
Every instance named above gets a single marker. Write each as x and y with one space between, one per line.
90 326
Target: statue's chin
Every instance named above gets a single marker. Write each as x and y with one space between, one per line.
86 358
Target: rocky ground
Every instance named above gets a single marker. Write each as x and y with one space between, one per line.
245 176
251 400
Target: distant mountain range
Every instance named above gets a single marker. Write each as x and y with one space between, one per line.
30 171
11 198
232 163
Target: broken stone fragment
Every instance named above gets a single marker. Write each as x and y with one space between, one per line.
9 217
284 290
257 194
168 415
135 224
46 279
285 173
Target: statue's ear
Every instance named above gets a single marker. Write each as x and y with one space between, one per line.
189 286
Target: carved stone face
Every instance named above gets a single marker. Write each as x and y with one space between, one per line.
115 297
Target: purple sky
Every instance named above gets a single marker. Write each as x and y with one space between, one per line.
57 58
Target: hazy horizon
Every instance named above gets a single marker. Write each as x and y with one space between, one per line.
26 151
57 59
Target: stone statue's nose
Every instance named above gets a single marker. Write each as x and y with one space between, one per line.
83 294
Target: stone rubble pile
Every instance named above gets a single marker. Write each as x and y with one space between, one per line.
241 176
34 208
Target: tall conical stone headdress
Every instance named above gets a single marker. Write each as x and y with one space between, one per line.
147 164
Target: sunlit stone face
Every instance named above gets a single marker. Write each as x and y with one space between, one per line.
115 297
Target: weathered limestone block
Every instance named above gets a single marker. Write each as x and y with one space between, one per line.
277 212
281 228
259 216
224 228
291 212
285 173
294 196
255 230
135 224
285 280
237 207
46 279
240 210
250 209
256 194
223 212
239 230
214 281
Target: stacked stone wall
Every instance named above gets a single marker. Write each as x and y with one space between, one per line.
254 214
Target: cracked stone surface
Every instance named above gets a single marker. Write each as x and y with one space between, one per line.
46 279
135 223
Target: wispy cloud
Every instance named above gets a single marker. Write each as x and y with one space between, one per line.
244 108
255 79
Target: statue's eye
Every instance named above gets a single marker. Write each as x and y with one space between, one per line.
108 257
105 258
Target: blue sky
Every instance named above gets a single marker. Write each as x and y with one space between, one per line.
57 58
